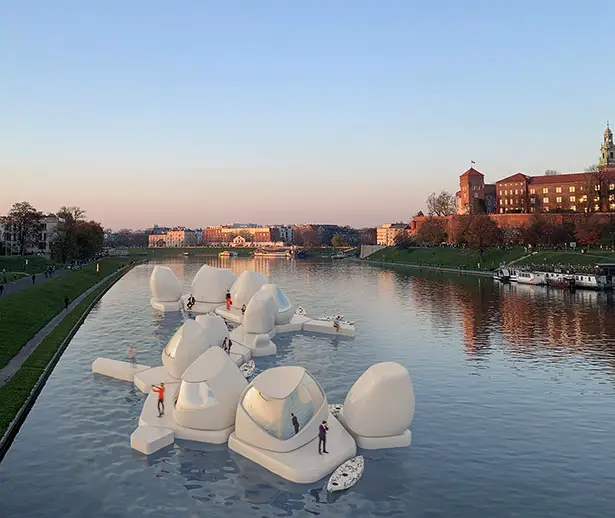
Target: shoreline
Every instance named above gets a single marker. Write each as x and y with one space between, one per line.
447 269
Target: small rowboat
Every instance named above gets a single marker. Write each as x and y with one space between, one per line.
335 410
347 475
247 369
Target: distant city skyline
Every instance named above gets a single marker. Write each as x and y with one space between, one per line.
349 112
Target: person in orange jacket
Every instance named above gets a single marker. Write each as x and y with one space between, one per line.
160 390
229 302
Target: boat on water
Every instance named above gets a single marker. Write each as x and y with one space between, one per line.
560 280
533 278
339 255
273 253
186 253
228 253
502 275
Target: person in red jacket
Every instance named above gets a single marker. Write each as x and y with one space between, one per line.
160 390
229 301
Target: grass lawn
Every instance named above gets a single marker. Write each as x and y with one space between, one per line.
448 257
569 258
14 394
24 313
17 263
12 275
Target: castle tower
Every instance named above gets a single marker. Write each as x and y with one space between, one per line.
607 150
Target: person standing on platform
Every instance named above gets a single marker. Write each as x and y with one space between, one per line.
322 437
229 301
132 356
295 423
160 390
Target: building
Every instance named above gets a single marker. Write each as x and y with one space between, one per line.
284 233
39 244
474 196
607 149
176 238
386 234
225 234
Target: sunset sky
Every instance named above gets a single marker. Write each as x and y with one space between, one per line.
206 112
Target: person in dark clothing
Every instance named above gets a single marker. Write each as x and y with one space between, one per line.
295 423
66 303
33 278
1 289
322 437
229 345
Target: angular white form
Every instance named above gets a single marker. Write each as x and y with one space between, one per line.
164 285
265 433
379 407
244 288
144 379
124 371
284 309
258 344
327 327
212 284
260 314
209 392
185 346
215 328
150 439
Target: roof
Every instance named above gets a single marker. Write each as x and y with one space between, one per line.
472 172
560 178
279 382
515 177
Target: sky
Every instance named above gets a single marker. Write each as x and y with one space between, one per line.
199 113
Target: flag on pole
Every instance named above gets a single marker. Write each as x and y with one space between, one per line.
472 161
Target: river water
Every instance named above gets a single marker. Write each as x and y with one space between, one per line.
515 404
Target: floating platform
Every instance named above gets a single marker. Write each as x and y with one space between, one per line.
166 306
154 376
124 371
150 439
303 465
199 307
327 327
149 417
234 314
295 325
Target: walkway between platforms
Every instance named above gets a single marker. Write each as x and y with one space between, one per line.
8 371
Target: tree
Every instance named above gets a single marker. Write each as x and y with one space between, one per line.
543 232
442 204
25 221
368 236
592 168
338 241
482 232
419 214
551 172
76 239
513 235
432 232
403 241
591 231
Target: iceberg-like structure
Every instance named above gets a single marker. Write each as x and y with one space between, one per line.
264 431
258 325
165 288
284 309
242 291
379 408
186 345
209 288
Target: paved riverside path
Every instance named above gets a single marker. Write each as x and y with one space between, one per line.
26 282
8 371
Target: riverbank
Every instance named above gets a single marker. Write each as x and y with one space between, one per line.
24 314
20 392
158 253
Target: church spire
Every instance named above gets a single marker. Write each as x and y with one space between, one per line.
607 150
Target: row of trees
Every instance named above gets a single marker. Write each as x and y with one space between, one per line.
480 232
74 238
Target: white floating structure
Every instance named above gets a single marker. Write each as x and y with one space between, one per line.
284 309
242 291
209 288
125 371
379 408
347 475
186 345
264 431
327 327
150 439
166 290
258 325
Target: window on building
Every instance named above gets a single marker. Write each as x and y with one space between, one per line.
596 207
532 209
611 197
573 198
517 192
506 202
558 189
596 187
501 193
532 201
558 199
612 206
532 191
571 188
573 207
545 200
545 190
501 211
612 187
506 192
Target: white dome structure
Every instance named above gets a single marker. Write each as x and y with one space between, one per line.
264 430
215 329
244 288
211 284
379 407
284 309
165 288
209 392
260 314
185 346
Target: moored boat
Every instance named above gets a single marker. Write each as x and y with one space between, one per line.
560 280
534 278
272 253
502 275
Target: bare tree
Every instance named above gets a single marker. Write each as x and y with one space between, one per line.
551 172
442 204
592 168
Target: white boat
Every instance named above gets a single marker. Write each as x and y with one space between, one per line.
332 319
227 253
534 278
502 275
590 281
186 253
347 475
335 410
514 276
247 369
273 253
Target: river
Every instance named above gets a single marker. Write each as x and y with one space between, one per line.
515 413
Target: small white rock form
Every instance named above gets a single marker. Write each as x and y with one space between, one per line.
379 407
211 284
215 328
209 392
247 369
265 432
244 288
185 346
347 475
165 288
284 309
